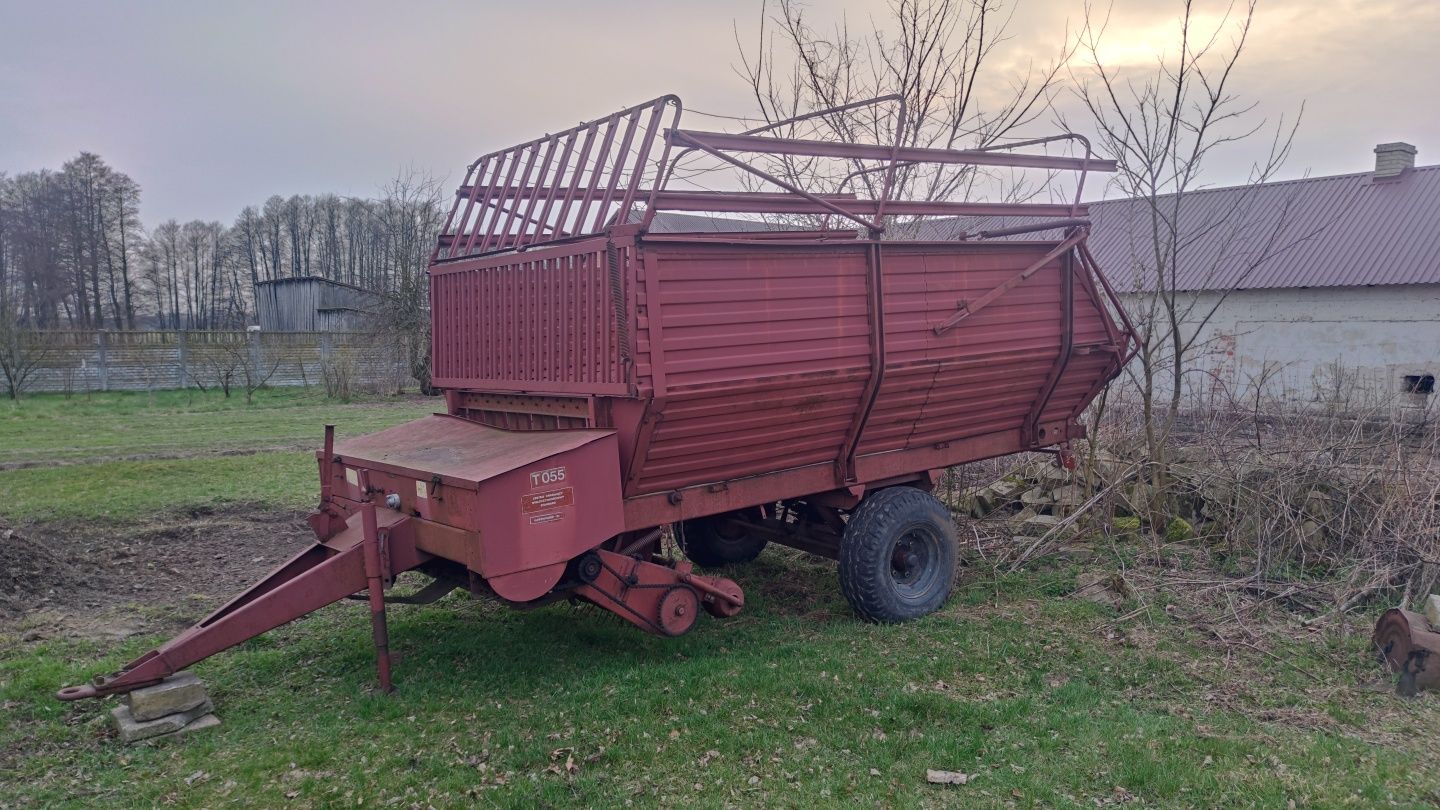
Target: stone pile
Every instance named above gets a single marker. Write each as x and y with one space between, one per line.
1036 496
1203 495
176 706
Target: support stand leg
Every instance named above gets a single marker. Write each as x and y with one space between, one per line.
375 579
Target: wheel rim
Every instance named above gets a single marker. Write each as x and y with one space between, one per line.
913 562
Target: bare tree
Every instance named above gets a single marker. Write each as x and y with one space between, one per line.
247 236
253 372
220 364
7 228
39 284
409 213
73 253
935 54
1164 125
163 251
119 215
66 242
99 211
81 178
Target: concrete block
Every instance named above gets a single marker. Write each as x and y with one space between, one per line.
1038 525
1006 489
198 724
132 730
178 693
1069 495
982 502
1432 611
1023 515
1047 472
1037 497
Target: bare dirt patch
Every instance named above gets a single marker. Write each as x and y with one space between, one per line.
114 581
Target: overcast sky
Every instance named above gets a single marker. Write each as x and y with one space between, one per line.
214 105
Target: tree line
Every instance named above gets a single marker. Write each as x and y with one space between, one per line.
74 253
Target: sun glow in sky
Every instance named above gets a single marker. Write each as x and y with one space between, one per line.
1143 45
211 106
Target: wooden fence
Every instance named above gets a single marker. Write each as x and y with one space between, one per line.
140 361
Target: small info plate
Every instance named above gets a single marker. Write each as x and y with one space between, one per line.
550 499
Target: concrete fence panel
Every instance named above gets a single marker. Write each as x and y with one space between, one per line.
140 361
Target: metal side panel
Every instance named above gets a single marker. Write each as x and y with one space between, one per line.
552 320
535 498
757 358
981 377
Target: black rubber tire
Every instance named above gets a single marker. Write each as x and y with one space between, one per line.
880 584
713 541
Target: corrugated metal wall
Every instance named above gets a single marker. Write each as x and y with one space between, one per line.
765 356
545 320
981 376
766 353
984 375
750 358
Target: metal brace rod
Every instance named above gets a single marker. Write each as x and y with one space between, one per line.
688 137
966 309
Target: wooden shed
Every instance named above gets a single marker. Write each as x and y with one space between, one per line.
312 304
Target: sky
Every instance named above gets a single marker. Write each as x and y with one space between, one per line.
211 106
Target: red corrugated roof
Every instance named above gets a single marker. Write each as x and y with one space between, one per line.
1340 231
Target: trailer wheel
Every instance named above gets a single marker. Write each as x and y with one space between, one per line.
897 556
713 541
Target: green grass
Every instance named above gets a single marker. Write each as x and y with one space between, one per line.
131 490
127 456
48 428
1049 700
776 707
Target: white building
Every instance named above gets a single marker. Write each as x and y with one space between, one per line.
1315 289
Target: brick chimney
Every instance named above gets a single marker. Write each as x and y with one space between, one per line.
1392 159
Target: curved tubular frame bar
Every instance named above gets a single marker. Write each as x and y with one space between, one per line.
577 182
590 178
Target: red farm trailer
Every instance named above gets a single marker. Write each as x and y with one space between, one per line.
796 372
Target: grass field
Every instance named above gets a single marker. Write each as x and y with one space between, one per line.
125 455
1043 698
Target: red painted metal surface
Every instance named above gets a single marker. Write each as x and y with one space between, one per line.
601 381
560 186
461 453
1409 648
530 500
549 319
815 359
661 599
376 572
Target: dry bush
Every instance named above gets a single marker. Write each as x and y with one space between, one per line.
230 360
337 371
24 353
1341 489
